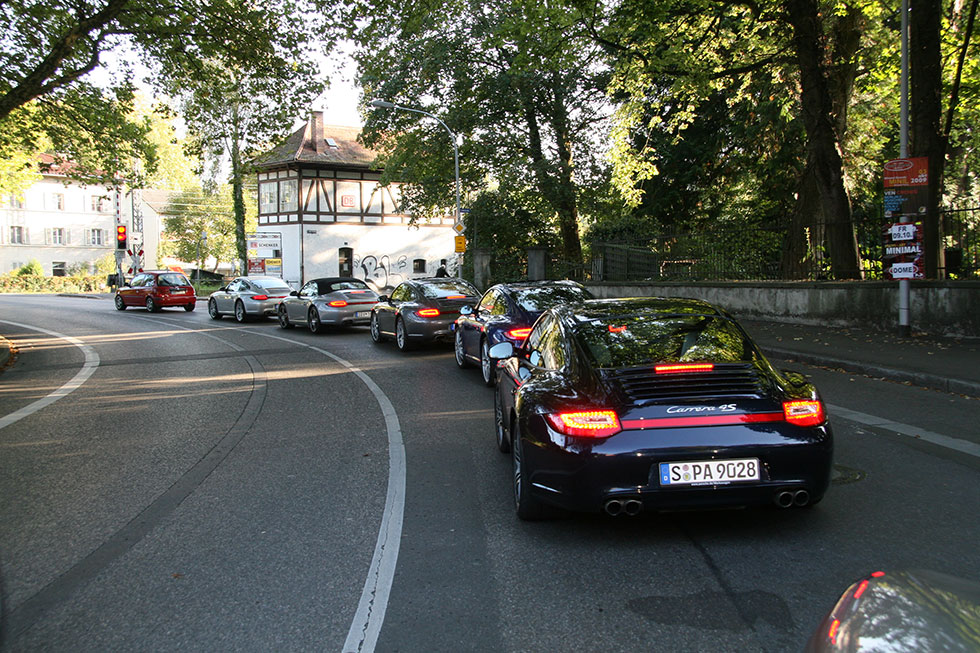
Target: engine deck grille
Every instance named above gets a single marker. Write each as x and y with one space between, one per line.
726 379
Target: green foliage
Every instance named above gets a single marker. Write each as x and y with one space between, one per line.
50 48
105 265
14 283
32 268
522 81
193 213
506 224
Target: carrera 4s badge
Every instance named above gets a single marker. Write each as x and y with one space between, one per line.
686 410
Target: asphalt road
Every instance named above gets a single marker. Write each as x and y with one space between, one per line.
215 486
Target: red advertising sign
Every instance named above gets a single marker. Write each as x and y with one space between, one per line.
256 266
906 186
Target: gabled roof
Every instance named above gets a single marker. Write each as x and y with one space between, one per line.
331 146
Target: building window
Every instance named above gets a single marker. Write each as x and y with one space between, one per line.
15 202
58 269
288 196
94 237
56 201
268 197
418 266
16 235
101 204
58 236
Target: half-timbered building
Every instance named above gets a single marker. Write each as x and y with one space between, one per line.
320 192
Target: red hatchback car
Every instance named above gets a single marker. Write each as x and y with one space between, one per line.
156 289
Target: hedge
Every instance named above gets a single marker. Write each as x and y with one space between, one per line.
10 283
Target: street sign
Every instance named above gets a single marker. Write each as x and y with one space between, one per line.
460 244
273 267
459 228
264 243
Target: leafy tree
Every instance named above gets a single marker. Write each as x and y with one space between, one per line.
245 113
49 49
523 81
32 268
200 224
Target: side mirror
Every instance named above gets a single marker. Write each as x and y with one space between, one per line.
535 358
294 293
384 299
466 310
501 350
223 289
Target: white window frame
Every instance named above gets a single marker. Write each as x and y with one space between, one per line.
95 237
16 234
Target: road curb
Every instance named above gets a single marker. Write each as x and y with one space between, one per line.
923 379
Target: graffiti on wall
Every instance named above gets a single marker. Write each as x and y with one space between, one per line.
381 270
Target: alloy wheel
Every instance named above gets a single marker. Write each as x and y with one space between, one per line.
459 348
120 304
283 318
240 314
498 418
213 310
486 363
314 321
375 328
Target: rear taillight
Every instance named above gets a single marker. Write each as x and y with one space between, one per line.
519 334
455 296
586 423
260 298
681 368
804 412
427 312
338 303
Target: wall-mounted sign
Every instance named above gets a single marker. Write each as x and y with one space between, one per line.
906 184
903 251
460 244
273 267
264 244
347 201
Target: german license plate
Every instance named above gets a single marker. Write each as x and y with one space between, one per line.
179 292
709 472
362 314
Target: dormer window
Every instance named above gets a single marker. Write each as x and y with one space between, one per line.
333 144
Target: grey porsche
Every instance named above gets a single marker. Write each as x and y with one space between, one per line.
331 301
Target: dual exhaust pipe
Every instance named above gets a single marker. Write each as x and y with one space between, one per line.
629 506
790 498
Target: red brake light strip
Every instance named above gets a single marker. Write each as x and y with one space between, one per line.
701 420
681 368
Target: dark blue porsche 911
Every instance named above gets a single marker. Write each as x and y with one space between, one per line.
505 313
653 403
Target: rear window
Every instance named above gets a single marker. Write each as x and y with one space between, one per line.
629 340
172 279
447 288
272 285
348 284
538 300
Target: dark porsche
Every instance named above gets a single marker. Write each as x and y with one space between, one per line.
652 403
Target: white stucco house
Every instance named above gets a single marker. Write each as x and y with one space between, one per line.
319 191
65 225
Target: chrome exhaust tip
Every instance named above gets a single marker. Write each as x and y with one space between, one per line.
613 507
784 499
801 498
633 507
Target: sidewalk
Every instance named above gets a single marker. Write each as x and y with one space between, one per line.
947 364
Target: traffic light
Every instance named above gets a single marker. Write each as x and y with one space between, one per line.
121 236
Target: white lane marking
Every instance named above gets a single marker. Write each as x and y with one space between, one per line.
88 368
963 446
366 626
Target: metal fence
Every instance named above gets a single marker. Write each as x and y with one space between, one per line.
740 254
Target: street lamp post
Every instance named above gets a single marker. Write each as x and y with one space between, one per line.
382 104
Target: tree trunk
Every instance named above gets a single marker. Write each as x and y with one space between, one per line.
925 117
805 229
822 139
237 187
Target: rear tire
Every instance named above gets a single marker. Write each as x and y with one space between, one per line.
189 307
313 320
528 508
120 304
213 310
240 314
151 306
401 336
